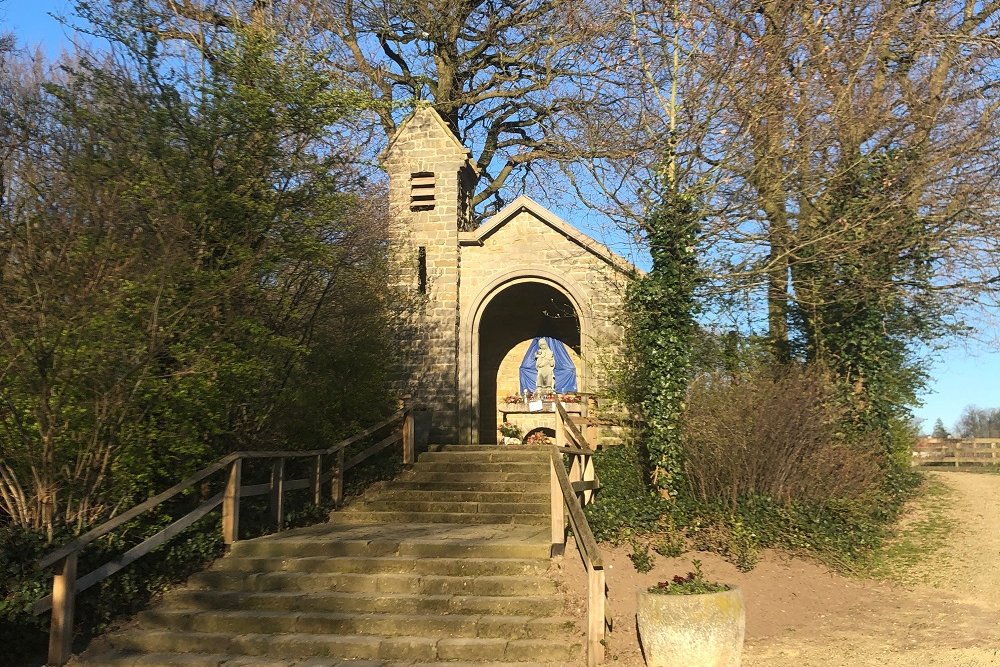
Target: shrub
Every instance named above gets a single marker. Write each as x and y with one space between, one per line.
670 542
641 559
625 504
772 435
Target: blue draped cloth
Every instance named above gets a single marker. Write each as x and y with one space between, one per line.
565 371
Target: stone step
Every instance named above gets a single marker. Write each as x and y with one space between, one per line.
486 447
538 469
477 477
364 583
402 603
460 496
130 659
496 455
389 564
358 624
303 547
474 487
363 517
399 504
300 645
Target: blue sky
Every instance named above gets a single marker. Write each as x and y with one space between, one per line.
964 374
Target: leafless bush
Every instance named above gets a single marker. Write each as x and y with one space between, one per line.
772 435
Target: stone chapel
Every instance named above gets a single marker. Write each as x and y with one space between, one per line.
480 297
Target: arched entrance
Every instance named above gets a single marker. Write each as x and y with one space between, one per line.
512 312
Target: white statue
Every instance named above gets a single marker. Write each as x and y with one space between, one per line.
545 366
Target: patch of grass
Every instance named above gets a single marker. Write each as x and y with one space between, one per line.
908 555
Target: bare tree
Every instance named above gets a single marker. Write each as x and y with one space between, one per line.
976 422
509 76
772 109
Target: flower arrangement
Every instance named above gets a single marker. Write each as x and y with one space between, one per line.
509 430
512 398
538 438
690 584
570 398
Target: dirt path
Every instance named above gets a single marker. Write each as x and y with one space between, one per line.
943 611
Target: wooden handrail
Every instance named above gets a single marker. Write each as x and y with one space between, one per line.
564 497
136 552
577 519
66 585
106 527
568 496
566 422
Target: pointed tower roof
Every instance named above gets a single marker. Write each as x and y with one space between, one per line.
426 120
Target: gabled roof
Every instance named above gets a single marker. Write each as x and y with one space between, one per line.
525 203
426 112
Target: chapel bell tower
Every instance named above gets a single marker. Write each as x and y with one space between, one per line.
431 177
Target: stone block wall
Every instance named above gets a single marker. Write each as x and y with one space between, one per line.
429 340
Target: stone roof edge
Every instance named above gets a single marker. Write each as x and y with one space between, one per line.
440 121
524 202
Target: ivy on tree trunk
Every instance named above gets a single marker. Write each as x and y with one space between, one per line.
661 309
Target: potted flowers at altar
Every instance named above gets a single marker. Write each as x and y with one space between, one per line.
510 434
538 439
691 622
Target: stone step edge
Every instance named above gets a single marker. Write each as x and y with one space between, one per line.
457 507
255 644
129 658
484 586
429 550
389 560
478 625
457 602
395 516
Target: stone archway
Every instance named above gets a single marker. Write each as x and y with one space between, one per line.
514 309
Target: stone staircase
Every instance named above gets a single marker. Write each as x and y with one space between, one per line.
446 565
475 484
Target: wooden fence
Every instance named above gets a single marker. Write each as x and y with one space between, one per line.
956 452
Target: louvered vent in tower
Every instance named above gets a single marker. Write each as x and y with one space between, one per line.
421 191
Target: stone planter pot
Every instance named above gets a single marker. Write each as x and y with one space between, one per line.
704 630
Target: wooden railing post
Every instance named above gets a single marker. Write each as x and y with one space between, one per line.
316 479
231 504
595 615
560 429
278 493
337 481
575 468
63 604
558 508
589 475
409 441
